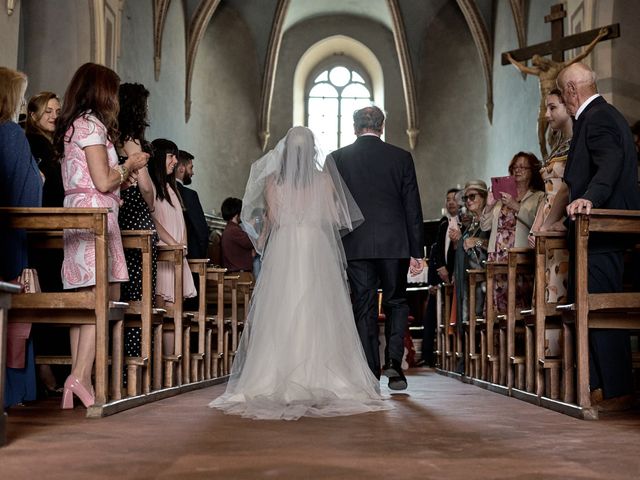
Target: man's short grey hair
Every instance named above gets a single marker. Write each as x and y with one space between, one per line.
368 118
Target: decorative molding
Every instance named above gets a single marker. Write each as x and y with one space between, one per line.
197 27
518 10
406 72
160 9
11 5
98 41
483 43
269 75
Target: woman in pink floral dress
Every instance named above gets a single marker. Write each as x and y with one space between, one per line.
86 130
510 220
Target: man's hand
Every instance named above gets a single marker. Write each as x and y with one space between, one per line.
416 265
579 205
443 273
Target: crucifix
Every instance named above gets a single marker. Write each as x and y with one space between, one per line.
547 69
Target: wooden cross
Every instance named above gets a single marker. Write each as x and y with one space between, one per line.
559 43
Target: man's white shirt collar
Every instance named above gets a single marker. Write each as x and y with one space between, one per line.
179 181
586 103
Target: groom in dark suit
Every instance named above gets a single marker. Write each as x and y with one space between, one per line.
601 172
382 180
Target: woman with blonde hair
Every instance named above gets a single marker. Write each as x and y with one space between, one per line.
20 186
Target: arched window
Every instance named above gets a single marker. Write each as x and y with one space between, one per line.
333 95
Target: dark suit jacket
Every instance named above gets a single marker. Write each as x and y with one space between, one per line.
382 180
602 163
197 228
440 257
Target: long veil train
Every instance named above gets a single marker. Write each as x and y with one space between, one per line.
299 354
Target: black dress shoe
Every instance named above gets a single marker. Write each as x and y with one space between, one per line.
397 380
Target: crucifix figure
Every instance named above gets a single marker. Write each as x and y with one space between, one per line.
548 69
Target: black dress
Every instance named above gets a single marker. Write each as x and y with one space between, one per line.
135 215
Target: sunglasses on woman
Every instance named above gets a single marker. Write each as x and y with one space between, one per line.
471 196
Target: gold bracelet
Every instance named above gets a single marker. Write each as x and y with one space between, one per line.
123 171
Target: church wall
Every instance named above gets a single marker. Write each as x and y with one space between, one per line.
453 143
625 80
9 36
517 99
221 132
57 40
376 37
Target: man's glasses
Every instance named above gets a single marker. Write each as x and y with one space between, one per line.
471 196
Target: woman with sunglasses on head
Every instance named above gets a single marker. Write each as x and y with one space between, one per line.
471 250
510 219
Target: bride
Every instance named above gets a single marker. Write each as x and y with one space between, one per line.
300 354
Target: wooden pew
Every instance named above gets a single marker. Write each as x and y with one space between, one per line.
477 361
599 310
215 314
142 313
519 261
86 307
201 358
176 366
6 290
548 372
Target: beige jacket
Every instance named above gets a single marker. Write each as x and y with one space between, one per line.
528 208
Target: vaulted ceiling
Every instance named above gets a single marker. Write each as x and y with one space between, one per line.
407 20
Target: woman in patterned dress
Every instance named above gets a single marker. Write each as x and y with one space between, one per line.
134 213
551 213
510 220
84 136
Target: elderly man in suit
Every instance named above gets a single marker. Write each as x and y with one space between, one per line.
382 180
197 228
601 172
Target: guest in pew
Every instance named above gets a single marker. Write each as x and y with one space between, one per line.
510 219
42 111
134 212
237 249
20 186
197 228
471 251
601 172
84 137
441 259
551 211
166 209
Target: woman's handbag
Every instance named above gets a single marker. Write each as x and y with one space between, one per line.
18 333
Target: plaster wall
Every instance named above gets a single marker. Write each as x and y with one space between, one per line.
9 36
221 132
57 40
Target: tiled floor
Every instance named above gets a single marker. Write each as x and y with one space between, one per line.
440 428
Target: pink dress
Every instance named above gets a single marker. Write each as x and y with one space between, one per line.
172 219
78 267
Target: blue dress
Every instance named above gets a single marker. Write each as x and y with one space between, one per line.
20 186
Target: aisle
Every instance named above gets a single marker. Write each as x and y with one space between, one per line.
441 428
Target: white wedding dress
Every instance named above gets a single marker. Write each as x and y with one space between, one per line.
300 354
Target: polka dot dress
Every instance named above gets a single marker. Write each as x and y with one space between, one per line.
134 215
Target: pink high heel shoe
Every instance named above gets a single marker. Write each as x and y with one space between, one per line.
73 386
